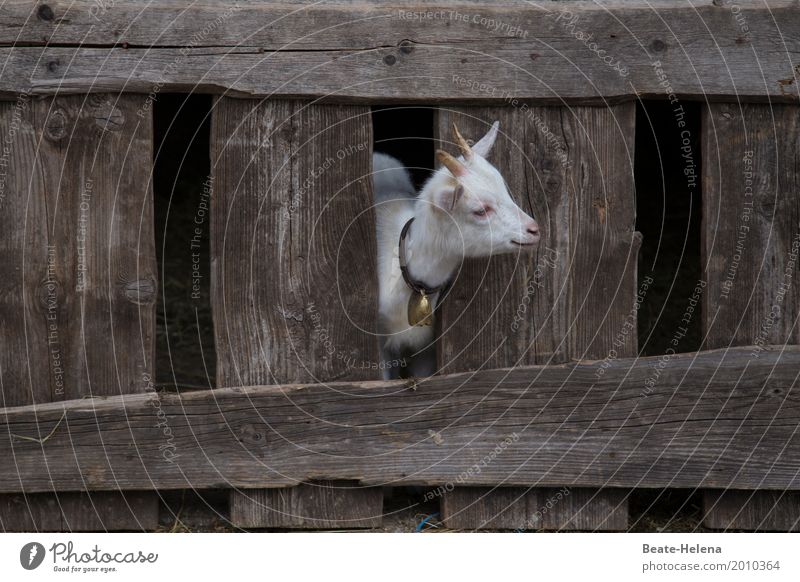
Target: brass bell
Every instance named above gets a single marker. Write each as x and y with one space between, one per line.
420 310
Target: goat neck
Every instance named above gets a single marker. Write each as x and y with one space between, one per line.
431 255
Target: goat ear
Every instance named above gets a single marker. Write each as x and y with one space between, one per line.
484 146
456 168
447 198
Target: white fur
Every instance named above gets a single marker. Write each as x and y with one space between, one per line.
390 179
439 238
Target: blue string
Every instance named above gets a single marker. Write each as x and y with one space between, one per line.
421 524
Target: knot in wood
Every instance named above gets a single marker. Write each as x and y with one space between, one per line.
50 293
769 204
552 183
141 292
251 433
56 127
658 46
45 13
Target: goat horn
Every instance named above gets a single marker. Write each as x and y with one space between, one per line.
462 143
452 164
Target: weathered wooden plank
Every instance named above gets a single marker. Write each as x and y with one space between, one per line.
539 508
294 283
28 363
751 243
308 24
575 298
293 245
751 224
751 510
318 505
78 253
410 51
77 258
303 25
504 311
59 512
723 418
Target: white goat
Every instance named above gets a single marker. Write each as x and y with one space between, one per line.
463 210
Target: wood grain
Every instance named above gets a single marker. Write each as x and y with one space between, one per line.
71 512
751 510
572 169
717 419
78 256
77 259
539 508
751 242
294 282
408 51
327 505
293 247
504 310
751 224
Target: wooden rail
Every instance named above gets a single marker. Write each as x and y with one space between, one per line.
716 419
406 51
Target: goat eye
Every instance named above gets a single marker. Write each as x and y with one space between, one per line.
482 212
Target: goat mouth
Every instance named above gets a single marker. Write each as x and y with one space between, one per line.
522 244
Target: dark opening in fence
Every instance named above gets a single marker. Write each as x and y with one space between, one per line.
406 133
182 186
668 214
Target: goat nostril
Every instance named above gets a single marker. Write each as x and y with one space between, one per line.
533 230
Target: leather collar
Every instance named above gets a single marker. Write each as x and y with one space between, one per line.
417 286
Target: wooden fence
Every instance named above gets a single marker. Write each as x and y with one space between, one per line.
298 428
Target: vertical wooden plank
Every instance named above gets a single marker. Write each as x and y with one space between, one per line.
751 241
539 508
78 282
100 511
26 367
751 510
511 309
575 298
293 272
326 505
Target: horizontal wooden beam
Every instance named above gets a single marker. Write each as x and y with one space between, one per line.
717 419
407 51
